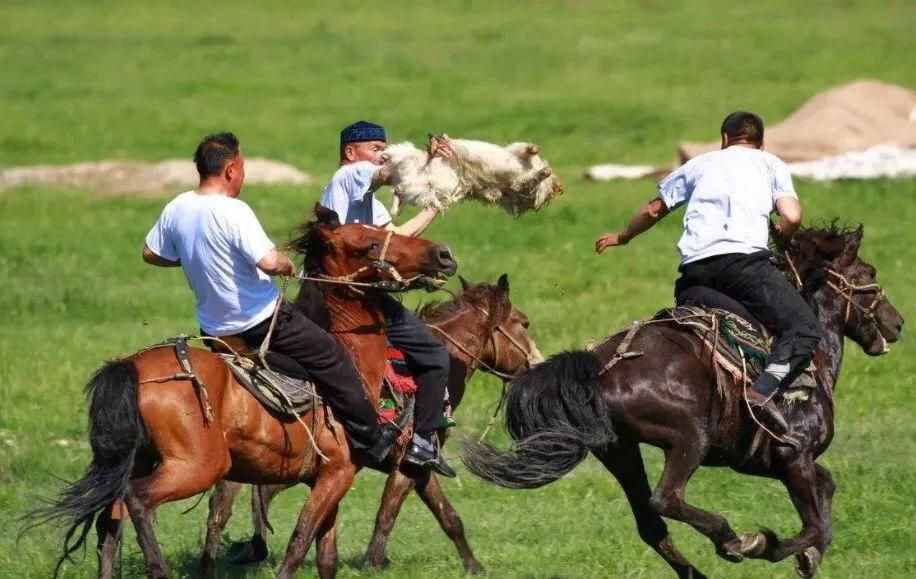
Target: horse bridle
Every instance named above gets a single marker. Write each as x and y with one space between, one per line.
847 290
379 263
491 339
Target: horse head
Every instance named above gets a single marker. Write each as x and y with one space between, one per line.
363 253
510 349
829 258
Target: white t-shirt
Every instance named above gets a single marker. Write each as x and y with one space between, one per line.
348 194
219 241
729 195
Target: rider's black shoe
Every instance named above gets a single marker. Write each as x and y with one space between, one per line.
424 452
765 410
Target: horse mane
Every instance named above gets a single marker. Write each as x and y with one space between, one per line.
308 244
808 260
437 311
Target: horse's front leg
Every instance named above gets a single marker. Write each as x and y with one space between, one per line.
330 488
801 478
221 501
431 492
397 487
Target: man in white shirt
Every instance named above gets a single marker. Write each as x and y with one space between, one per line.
730 195
351 194
228 260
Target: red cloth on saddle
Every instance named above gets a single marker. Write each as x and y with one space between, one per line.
402 381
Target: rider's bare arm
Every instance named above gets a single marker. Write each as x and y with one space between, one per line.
276 263
416 225
790 216
648 215
152 258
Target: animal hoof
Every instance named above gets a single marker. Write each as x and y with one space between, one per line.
731 551
473 568
545 172
807 561
533 150
752 544
248 552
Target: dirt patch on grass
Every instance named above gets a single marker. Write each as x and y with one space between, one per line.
120 178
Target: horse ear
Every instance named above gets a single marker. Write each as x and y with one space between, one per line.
853 241
464 283
326 216
503 282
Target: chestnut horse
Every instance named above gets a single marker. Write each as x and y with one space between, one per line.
152 442
561 410
481 330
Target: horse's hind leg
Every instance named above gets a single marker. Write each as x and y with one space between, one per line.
221 501
431 492
397 487
108 527
156 566
681 461
625 462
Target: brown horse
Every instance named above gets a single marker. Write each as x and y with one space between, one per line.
481 330
152 442
561 410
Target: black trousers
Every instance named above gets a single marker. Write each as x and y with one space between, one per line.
313 352
427 359
755 282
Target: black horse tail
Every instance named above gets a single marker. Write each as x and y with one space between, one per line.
116 432
555 414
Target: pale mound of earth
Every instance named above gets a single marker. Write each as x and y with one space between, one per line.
141 177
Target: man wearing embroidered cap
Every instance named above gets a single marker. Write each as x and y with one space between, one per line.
351 193
227 260
730 195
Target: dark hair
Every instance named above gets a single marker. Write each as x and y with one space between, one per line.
743 125
213 152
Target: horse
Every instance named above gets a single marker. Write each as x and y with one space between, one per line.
482 330
157 436
567 407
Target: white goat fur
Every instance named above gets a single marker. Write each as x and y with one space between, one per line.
514 176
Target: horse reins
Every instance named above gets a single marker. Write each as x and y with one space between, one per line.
847 290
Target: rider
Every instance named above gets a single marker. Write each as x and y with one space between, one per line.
730 194
227 259
351 194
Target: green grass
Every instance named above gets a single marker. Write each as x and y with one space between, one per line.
588 81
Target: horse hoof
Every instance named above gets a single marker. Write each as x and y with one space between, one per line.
473 568
807 561
731 551
752 544
247 552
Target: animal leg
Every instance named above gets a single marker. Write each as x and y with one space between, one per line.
523 150
221 500
801 481
668 499
326 557
255 550
430 491
108 528
140 514
395 205
397 487
625 462
329 489
826 487
530 180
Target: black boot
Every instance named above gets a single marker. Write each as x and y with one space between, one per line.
424 451
760 399
381 448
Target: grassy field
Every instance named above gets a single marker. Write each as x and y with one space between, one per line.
588 81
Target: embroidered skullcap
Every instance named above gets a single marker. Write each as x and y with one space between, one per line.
362 131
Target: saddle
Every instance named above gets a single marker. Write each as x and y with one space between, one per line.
738 343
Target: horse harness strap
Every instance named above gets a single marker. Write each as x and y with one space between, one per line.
183 354
623 349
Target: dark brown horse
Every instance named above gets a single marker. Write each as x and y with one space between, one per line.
152 442
482 330
561 410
